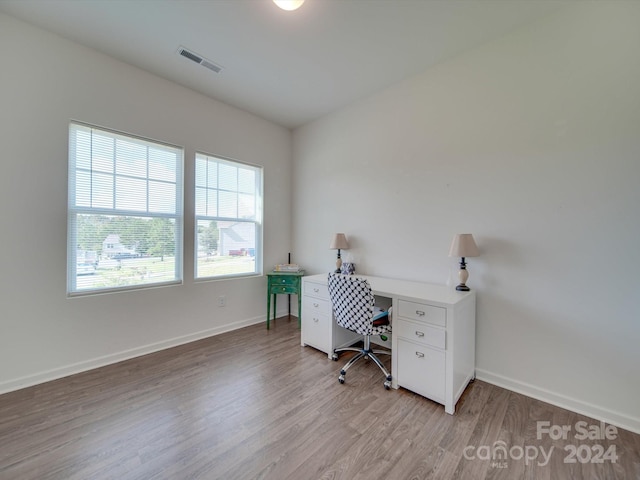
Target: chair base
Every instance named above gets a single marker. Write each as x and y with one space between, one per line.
365 352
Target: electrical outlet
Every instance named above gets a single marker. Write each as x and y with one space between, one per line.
222 301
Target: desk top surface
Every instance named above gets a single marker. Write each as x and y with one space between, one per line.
406 289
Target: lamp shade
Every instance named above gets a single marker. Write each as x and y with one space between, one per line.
339 242
463 245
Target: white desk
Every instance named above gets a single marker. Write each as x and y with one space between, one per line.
433 338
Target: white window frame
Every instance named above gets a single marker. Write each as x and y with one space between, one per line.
199 215
81 202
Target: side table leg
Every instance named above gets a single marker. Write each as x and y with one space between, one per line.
268 307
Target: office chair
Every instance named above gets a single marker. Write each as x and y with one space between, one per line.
353 303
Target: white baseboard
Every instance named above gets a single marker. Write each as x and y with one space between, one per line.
56 373
578 406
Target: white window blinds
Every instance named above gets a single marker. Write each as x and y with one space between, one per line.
125 211
228 214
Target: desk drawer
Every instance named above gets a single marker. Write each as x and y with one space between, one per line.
316 306
422 313
316 329
316 290
421 369
421 333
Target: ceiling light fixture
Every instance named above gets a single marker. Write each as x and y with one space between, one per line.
288 4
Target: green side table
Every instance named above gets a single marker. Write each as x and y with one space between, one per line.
287 283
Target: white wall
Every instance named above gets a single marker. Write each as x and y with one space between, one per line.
45 81
531 143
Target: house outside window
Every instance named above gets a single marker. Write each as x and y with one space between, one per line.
228 204
125 214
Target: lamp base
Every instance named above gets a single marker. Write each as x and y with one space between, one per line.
463 276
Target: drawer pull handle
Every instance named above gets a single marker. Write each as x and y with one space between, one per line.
419 334
419 354
316 290
420 313
315 319
316 305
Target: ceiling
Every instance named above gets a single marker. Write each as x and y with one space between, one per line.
287 67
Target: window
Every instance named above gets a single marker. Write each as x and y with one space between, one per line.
228 218
125 211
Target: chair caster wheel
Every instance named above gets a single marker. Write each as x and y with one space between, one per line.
387 385
342 373
388 378
341 379
334 357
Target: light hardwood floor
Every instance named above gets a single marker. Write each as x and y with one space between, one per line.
254 404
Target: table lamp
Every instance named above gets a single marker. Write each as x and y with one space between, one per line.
463 246
339 242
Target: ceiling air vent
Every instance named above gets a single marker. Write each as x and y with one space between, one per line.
199 59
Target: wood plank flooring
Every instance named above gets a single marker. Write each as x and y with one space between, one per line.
254 404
